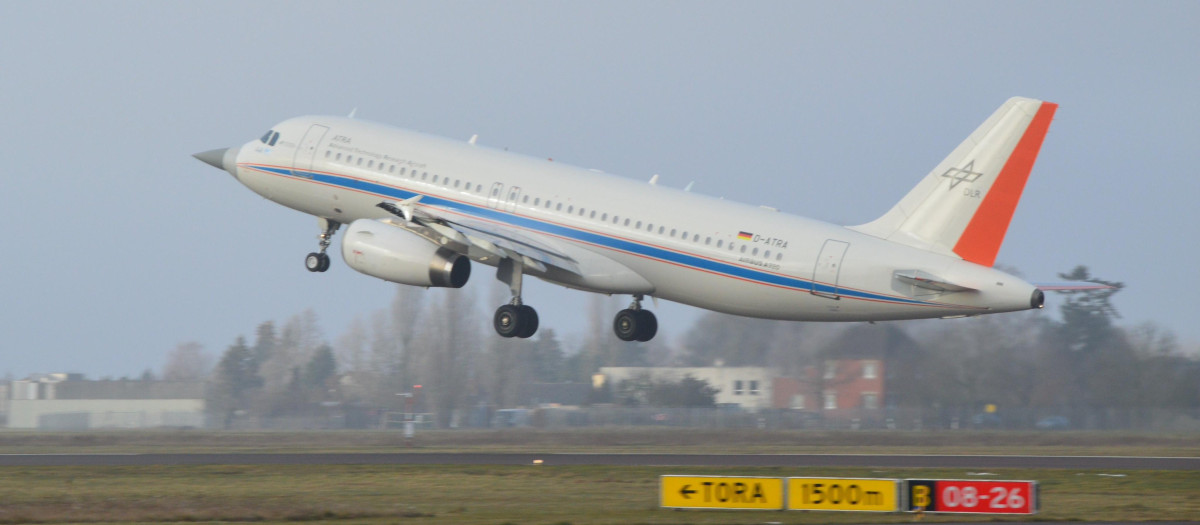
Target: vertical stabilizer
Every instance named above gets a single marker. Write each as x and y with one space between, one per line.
963 207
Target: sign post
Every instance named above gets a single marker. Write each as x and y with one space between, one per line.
845 494
721 492
972 496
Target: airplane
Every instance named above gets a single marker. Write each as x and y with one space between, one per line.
421 209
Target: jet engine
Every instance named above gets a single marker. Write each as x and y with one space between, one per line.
395 254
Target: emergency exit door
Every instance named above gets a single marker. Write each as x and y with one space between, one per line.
828 268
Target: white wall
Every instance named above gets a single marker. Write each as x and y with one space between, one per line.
106 413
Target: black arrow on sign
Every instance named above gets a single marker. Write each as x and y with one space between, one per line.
684 492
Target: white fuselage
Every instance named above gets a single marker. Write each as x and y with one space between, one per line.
666 243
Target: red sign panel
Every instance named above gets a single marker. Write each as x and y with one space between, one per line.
971 496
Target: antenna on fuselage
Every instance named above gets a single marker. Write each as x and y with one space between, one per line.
689 186
474 138
352 112
654 180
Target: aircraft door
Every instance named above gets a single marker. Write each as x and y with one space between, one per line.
828 268
514 193
302 163
494 195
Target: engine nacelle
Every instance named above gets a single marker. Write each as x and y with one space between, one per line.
395 254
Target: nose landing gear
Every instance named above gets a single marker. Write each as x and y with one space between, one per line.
634 323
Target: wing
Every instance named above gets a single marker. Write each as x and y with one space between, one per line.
491 241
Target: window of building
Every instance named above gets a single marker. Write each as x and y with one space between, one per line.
870 370
830 369
737 387
830 401
870 401
754 388
798 402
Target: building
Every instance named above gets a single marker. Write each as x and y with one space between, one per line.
69 402
741 386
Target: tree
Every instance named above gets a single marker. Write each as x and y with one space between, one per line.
688 392
235 382
320 370
187 362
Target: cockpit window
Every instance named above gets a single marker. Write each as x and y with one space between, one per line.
270 137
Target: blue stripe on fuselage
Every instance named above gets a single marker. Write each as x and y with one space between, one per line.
654 252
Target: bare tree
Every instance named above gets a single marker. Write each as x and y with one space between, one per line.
187 362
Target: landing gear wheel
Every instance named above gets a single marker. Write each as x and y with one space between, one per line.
649 325
529 318
316 262
508 321
635 325
626 325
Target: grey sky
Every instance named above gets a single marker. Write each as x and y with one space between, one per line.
120 245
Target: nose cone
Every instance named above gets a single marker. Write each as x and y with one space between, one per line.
223 158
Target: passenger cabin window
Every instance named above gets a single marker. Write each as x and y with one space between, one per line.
328 153
338 157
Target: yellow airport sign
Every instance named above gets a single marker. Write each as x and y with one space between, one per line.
859 494
721 492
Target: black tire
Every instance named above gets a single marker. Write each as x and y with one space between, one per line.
648 325
529 318
324 262
312 262
508 321
626 325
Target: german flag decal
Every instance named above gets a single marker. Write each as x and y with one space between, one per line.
745 236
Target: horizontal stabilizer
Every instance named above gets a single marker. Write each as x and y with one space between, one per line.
1071 286
929 281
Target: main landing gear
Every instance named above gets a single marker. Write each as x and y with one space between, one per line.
319 261
635 324
514 319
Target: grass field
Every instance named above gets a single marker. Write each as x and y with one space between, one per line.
539 494
496 495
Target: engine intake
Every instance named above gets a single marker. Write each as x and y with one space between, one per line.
400 256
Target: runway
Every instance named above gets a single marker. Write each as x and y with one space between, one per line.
689 460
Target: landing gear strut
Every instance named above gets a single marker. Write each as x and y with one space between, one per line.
634 323
319 261
514 319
